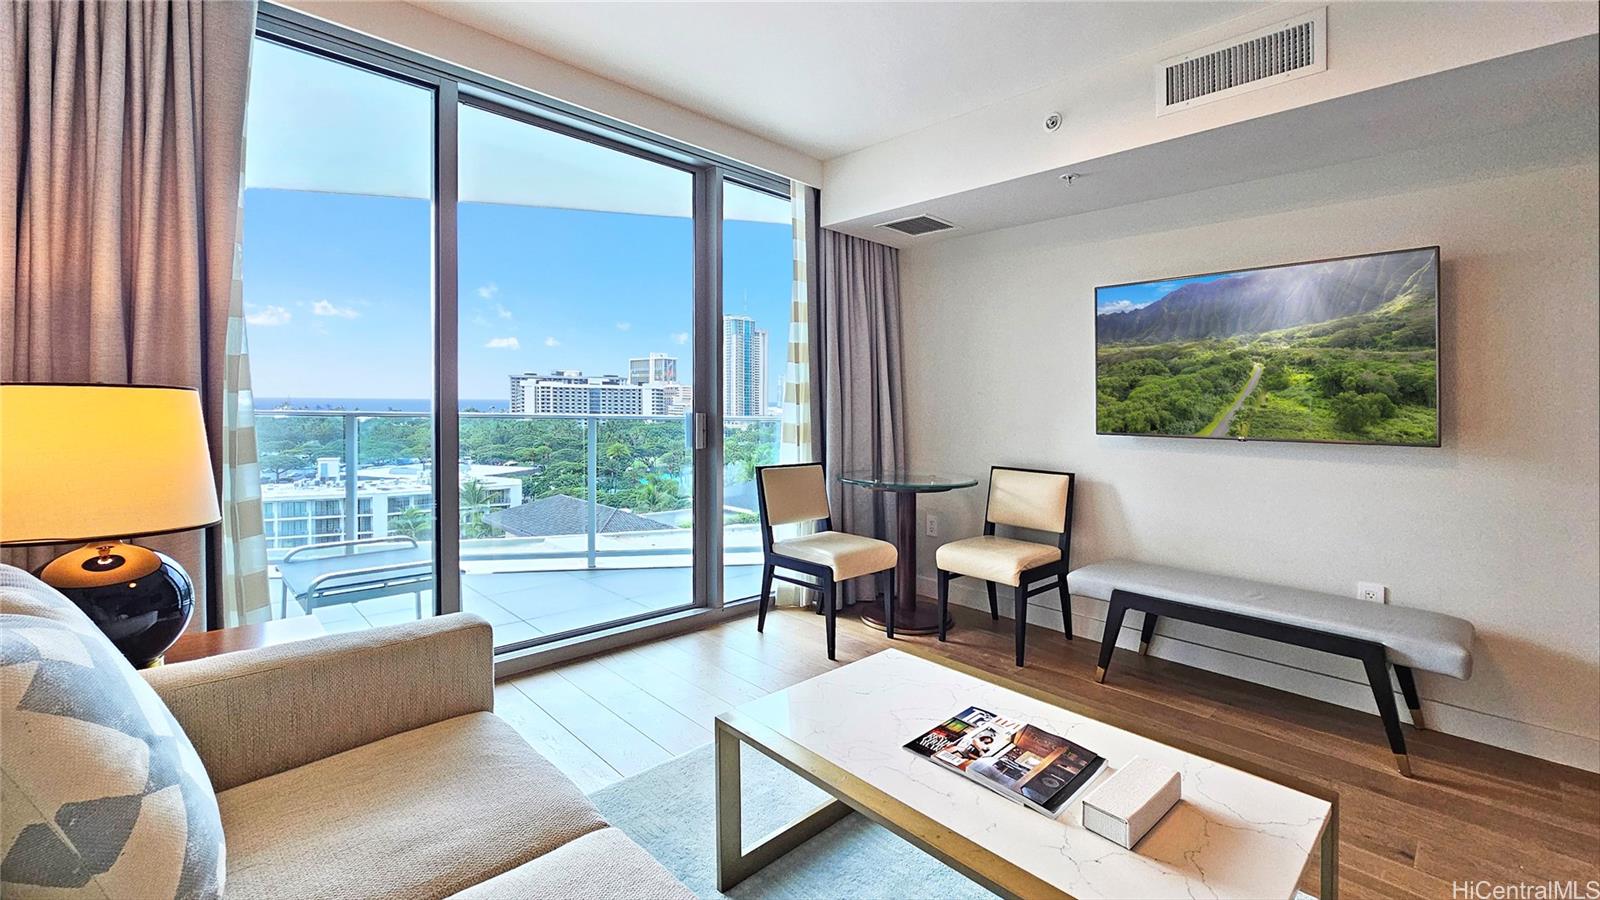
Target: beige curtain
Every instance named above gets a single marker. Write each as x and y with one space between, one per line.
863 396
119 202
800 415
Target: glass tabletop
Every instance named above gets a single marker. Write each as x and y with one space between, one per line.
907 481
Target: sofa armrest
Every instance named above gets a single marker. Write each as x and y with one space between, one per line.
258 712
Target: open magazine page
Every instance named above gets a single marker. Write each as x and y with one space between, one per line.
1024 763
950 733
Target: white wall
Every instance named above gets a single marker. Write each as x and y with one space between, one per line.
1499 526
1113 109
422 31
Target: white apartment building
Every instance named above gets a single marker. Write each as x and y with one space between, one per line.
655 368
312 511
570 392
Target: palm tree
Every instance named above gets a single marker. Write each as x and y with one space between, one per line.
412 522
474 506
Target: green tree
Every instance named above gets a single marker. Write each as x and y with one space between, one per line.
474 507
412 522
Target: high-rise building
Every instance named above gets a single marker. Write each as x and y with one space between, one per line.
744 367
658 367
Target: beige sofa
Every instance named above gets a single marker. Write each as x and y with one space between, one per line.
371 764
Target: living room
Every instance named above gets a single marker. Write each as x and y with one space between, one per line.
1155 401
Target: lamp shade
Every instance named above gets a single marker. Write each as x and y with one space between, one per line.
83 462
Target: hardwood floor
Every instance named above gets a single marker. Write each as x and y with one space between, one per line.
1471 813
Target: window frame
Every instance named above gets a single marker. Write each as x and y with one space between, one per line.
453 85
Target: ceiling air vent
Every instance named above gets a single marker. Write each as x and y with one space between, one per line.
1261 58
918 225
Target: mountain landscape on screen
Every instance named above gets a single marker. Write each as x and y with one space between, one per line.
1344 350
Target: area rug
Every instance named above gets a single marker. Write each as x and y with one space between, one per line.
669 810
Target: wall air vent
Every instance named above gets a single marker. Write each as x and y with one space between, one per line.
1246 62
918 225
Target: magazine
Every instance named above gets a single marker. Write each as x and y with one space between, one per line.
1027 764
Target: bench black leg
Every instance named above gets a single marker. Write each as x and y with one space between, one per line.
1408 688
830 594
1066 605
1378 674
1022 620
1108 638
1147 632
994 601
944 601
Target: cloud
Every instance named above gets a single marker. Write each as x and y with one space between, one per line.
489 291
501 311
505 343
624 326
551 342
681 337
1120 306
324 308
269 316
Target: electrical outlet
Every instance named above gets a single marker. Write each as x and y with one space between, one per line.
1372 592
933 525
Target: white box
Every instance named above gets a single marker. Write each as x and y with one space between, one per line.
1129 803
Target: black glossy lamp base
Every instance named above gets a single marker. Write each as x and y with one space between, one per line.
142 615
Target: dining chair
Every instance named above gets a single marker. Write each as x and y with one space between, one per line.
797 492
1032 499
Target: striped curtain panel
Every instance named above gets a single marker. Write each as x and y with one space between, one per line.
799 413
245 597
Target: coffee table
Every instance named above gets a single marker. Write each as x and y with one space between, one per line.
1236 833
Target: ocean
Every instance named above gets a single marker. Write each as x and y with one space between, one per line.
374 404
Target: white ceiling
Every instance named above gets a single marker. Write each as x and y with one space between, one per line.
831 78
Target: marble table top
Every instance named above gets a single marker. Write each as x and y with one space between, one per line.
1232 835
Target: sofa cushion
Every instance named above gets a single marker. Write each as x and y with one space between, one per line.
601 865
102 794
425 813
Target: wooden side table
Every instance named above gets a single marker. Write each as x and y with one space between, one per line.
201 644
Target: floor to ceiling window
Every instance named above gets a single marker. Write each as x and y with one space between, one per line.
437 268
576 273
337 258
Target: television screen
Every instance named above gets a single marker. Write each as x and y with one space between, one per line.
1342 350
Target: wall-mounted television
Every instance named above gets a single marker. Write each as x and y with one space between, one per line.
1337 351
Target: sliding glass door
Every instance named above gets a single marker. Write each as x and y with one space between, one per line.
503 340
576 274
338 298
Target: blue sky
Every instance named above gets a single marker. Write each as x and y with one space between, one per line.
337 292
1127 297
572 255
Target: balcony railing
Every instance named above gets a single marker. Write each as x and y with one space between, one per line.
629 476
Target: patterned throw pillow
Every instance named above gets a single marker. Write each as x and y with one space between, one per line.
102 794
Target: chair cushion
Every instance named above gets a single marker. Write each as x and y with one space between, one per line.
1430 641
425 813
1025 499
848 555
794 493
601 865
998 559
102 794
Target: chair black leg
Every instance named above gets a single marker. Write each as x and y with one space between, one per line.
888 604
1022 620
1108 638
1146 632
994 601
944 601
830 591
1066 605
765 598
1378 674
1408 688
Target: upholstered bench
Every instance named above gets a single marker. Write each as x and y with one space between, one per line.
1375 634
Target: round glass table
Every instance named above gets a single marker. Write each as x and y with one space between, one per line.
910 617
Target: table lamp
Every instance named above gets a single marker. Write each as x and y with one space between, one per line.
104 463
